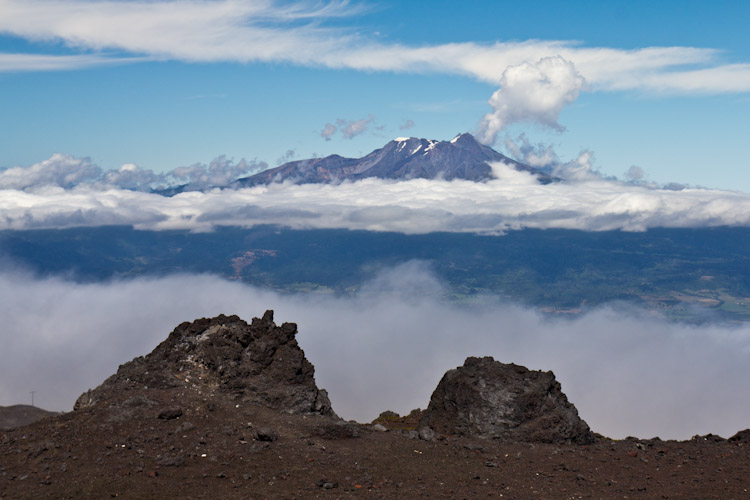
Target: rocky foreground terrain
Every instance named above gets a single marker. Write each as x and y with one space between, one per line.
223 409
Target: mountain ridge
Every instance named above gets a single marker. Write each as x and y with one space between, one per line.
400 159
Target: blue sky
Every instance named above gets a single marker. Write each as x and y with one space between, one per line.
664 86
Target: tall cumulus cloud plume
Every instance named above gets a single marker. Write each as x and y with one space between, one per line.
531 92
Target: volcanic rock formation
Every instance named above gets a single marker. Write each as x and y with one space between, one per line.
491 400
260 363
226 409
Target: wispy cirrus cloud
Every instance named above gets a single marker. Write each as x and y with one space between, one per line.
269 31
11 63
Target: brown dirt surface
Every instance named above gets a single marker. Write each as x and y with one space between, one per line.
192 440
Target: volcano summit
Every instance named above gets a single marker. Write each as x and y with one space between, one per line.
401 159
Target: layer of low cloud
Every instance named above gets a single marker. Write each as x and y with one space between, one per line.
40 196
544 157
531 92
628 373
67 172
270 31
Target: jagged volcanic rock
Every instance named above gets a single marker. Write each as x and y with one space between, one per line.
491 400
260 363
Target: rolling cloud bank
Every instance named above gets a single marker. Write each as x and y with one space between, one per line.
65 192
627 372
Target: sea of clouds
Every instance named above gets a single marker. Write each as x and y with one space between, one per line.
627 372
65 192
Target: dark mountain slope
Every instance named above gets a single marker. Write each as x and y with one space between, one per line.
460 158
19 415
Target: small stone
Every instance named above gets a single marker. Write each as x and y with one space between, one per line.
265 434
171 460
186 427
170 413
338 430
426 434
327 484
138 401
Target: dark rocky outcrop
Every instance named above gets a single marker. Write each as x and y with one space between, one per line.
741 437
258 363
491 400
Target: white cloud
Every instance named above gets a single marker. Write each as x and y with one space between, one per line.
627 373
407 125
635 173
220 172
351 129
290 155
531 92
328 131
10 63
267 31
67 172
536 155
59 170
544 156
37 199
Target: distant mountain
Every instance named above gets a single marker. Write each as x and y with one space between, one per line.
403 158
20 415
